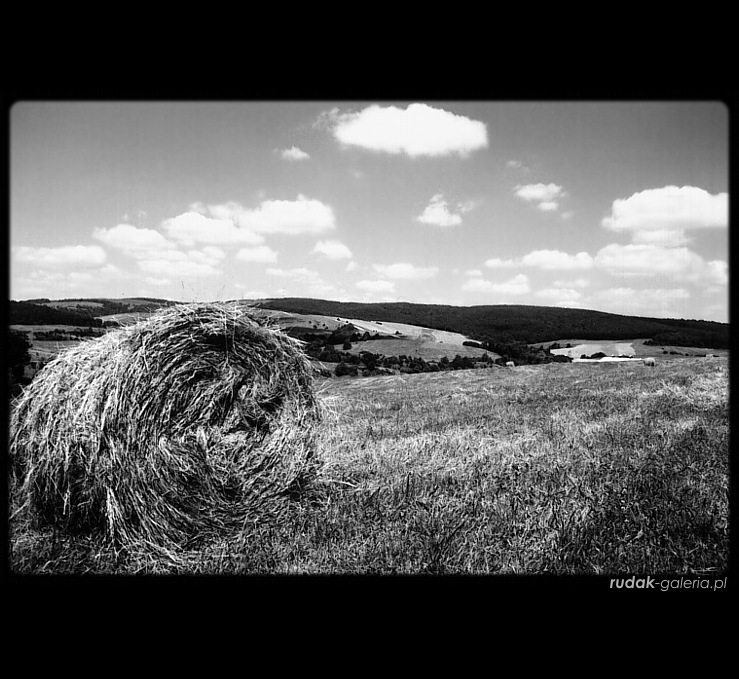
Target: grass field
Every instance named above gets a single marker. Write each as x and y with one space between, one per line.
563 469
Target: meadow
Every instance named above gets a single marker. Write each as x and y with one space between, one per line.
565 469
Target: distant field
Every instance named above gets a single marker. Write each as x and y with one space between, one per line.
635 347
409 340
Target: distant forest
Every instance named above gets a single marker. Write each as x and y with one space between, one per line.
42 312
519 323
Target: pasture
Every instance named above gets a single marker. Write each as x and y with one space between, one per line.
565 469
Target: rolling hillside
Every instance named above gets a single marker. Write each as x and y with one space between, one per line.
529 324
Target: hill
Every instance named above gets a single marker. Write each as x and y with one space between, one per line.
529 324
499 323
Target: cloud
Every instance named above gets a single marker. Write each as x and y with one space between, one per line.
293 154
58 282
260 253
545 196
661 216
193 227
555 259
68 256
637 259
497 263
291 217
376 286
659 302
131 239
717 273
178 264
333 249
352 266
576 283
518 285
437 213
419 130
405 271
473 272
158 281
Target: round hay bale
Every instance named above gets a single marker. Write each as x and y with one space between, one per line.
177 428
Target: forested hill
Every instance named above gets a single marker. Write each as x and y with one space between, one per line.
519 322
80 312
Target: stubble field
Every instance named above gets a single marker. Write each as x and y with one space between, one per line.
567 469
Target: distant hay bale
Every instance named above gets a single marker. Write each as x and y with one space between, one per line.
649 361
181 427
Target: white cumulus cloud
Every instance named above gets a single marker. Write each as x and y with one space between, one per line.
497 263
131 239
437 212
291 217
333 249
661 216
294 153
557 260
545 196
418 130
191 228
680 264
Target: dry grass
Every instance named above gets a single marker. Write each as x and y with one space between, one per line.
567 469
166 434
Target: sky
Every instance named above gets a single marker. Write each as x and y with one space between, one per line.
616 206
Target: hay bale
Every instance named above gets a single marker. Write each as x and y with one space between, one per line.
179 428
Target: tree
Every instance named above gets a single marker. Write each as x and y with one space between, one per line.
18 357
345 369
